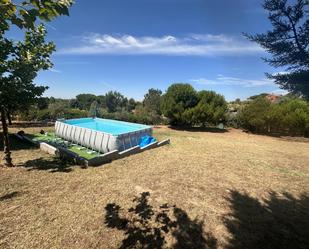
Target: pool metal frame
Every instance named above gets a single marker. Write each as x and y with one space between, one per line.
98 140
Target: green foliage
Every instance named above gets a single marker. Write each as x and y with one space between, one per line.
210 109
152 100
20 68
140 115
123 109
53 113
112 101
25 13
184 106
42 103
177 99
295 116
294 82
21 61
73 113
101 101
115 101
147 116
290 116
288 43
131 105
84 101
255 115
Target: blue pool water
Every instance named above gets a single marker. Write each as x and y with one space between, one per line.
113 127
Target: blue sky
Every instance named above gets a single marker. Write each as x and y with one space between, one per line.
131 46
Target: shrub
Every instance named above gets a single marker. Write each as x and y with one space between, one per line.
147 116
152 100
49 114
74 113
140 115
295 116
254 116
290 116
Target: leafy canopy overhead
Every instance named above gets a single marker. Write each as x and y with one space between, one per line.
25 13
20 61
21 67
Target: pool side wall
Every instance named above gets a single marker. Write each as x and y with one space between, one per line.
97 140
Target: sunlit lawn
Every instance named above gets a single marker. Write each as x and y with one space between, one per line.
205 190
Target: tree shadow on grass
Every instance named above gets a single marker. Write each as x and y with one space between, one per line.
9 196
199 129
147 227
52 165
16 143
282 135
281 221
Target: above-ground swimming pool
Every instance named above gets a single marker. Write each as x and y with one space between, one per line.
103 135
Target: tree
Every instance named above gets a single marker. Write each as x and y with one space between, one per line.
101 101
17 88
289 116
294 82
42 103
84 101
152 100
25 13
295 116
20 61
255 115
73 103
178 98
57 109
211 109
237 101
288 43
115 101
131 105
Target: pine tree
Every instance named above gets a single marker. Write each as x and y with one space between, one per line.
288 43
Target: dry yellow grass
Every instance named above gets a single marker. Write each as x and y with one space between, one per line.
230 190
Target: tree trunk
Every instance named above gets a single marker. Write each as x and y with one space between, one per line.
7 154
9 118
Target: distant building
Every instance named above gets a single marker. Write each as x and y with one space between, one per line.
273 98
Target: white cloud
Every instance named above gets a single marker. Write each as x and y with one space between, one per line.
193 45
54 70
233 81
212 38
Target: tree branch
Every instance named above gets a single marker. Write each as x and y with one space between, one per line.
300 48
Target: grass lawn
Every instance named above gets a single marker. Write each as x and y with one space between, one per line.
205 190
